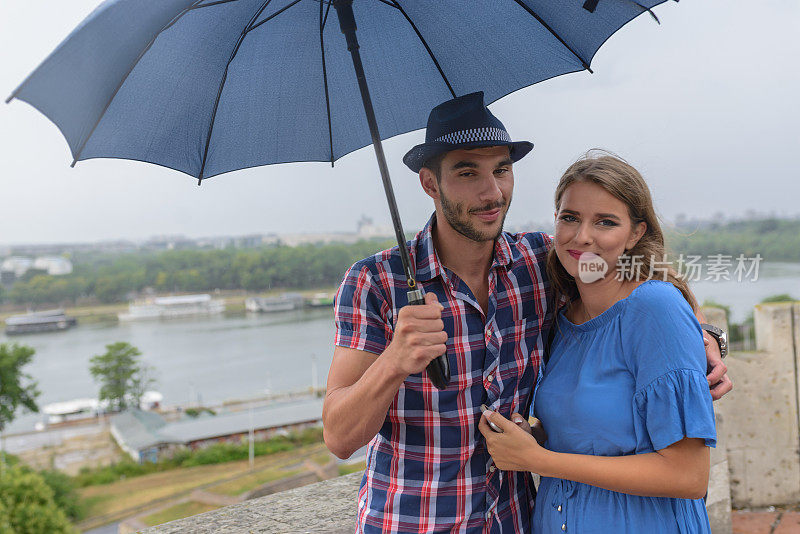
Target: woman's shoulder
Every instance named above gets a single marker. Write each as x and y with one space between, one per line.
656 297
660 329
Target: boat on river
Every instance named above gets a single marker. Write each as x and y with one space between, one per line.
321 300
281 303
173 307
42 321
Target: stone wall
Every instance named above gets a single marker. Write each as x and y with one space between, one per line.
761 413
327 507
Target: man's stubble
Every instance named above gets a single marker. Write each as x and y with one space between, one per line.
454 214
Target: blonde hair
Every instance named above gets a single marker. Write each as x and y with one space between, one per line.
621 180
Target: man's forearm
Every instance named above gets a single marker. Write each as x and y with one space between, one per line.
353 414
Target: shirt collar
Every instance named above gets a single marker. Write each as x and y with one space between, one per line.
427 260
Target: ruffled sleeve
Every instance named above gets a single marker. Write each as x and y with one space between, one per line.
664 351
673 406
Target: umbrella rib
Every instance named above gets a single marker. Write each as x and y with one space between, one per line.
645 8
281 10
531 12
387 2
323 17
425 44
242 35
213 4
124 78
328 10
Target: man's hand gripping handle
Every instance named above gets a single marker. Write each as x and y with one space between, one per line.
439 368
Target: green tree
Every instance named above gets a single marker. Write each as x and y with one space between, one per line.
65 495
17 388
783 297
27 504
122 376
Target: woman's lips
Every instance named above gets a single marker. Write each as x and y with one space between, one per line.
576 254
488 216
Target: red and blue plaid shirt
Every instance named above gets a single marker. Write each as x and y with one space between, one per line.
428 469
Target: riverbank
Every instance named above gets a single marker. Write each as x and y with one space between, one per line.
107 313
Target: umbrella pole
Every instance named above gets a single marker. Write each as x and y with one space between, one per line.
439 369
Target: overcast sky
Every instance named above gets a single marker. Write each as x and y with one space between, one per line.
705 105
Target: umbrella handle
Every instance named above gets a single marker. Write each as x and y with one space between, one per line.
439 368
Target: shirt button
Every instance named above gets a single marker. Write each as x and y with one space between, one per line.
490 378
564 526
492 470
559 507
489 514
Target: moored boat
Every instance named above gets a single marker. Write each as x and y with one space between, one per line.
43 321
172 307
321 300
284 302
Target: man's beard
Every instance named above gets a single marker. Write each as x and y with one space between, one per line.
454 214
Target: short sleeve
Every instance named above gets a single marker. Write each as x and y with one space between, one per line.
361 312
664 350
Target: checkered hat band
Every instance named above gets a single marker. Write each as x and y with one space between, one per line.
475 135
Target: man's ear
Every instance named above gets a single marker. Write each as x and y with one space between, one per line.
430 185
638 232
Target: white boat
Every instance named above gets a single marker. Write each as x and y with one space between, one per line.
321 300
284 302
58 412
43 321
172 307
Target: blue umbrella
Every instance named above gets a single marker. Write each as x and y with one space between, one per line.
211 86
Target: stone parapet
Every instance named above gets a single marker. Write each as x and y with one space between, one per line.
327 507
761 413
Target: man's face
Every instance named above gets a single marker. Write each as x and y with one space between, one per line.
474 191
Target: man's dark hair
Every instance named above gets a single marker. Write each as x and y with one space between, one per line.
434 164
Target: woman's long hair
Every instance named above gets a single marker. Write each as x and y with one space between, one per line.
647 259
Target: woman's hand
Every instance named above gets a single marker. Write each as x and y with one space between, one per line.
514 449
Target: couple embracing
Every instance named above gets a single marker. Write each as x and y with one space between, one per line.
613 369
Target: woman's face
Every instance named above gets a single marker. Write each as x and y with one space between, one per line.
591 221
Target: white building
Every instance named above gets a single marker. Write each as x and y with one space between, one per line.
54 265
18 265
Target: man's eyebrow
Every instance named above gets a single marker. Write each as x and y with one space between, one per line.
505 162
465 164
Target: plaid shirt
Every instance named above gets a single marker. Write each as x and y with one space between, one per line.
428 469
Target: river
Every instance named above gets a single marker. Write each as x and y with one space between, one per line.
218 358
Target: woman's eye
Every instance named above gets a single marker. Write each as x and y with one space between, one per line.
607 222
568 218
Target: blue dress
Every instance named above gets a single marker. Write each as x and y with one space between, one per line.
630 381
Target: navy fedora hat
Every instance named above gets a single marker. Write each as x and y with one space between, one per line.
463 122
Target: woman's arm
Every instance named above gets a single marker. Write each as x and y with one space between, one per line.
680 470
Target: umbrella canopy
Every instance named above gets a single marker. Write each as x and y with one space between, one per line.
211 86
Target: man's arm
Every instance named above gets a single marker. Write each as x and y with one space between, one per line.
717 376
361 385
